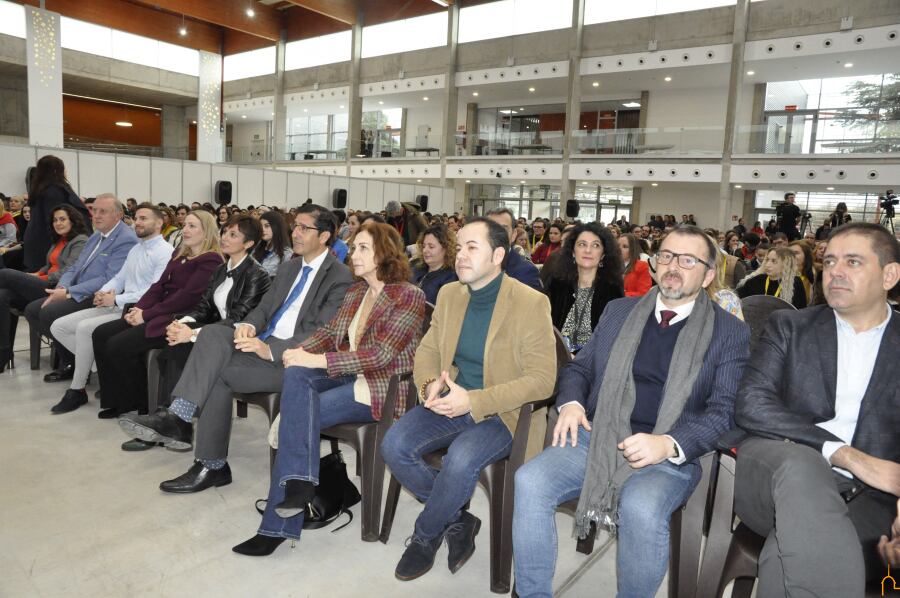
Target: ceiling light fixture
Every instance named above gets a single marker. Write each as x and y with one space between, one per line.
829 188
443 3
737 186
596 84
425 98
380 103
193 122
305 110
522 182
654 184
418 180
182 31
250 13
632 104
531 89
468 181
475 93
243 116
341 106
667 79
123 123
848 65
584 182
751 73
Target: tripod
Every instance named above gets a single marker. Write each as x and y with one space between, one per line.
887 221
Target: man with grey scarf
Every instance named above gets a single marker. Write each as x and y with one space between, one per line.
649 394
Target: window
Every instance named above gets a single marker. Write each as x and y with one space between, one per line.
85 37
405 35
321 136
12 19
250 64
134 48
325 49
603 11
380 132
179 59
512 17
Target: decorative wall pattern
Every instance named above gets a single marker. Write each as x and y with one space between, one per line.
44 59
209 106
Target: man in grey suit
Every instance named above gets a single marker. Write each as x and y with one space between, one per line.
819 475
306 293
102 257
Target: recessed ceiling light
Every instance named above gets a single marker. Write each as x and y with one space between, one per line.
193 122
654 184
305 110
273 114
531 89
123 123
521 109
667 79
443 3
182 31
250 13
737 186
475 93
523 182
584 182
425 98
829 188
341 106
468 181
380 103
418 180
632 104
847 65
596 84
751 73
243 116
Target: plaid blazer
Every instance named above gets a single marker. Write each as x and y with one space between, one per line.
388 343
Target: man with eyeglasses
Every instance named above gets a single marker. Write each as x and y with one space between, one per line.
246 357
667 366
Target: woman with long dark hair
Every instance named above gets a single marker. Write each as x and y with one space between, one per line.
275 248
589 277
803 258
636 273
18 289
49 188
551 243
435 265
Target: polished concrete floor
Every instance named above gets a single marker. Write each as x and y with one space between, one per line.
80 517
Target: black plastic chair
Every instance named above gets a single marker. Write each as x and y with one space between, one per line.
757 309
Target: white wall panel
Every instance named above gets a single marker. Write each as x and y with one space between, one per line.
70 159
275 185
391 192
298 189
15 160
356 199
165 181
98 174
133 178
406 193
250 187
374 195
224 173
319 190
197 184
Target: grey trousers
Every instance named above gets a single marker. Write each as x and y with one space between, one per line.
74 333
213 373
817 545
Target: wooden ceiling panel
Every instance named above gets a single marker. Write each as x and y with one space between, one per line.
231 14
341 10
384 11
303 23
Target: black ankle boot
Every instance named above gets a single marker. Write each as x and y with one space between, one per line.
258 545
5 358
297 494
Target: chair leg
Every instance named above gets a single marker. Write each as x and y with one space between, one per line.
272 407
586 545
34 338
241 409
500 575
720 534
390 509
372 478
54 356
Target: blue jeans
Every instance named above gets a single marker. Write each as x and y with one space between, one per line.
646 502
472 447
310 401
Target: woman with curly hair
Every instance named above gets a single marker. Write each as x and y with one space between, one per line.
435 265
778 277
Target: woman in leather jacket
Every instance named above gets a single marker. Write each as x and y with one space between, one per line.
236 287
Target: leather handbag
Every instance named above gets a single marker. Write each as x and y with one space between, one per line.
335 494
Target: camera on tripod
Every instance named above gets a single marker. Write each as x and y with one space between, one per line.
887 202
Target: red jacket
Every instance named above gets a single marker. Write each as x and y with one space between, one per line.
638 281
543 251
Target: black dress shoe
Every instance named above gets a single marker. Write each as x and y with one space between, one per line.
461 540
163 426
418 558
72 400
197 478
297 495
258 545
111 413
61 374
136 444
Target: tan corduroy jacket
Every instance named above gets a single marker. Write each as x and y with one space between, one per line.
519 353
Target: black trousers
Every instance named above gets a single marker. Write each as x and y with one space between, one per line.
17 290
43 317
120 352
171 362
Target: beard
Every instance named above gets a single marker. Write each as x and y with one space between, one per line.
670 292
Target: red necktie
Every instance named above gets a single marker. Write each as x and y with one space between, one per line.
666 316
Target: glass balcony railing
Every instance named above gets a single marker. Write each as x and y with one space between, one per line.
506 143
803 134
695 141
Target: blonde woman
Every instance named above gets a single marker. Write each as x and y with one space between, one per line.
521 244
778 277
120 347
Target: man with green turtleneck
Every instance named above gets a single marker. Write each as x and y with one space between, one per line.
489 350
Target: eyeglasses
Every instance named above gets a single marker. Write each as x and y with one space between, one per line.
685 260
305 229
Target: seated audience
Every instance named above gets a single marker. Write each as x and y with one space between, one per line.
101 258
120 346
145 263
554 266
667 366
759 256
803 259
434 266
489 350
590 277
247 357
340 374
9 231
553 241
18 289
516 266
819 474
275 247
407 219
636 279
520 245
777 277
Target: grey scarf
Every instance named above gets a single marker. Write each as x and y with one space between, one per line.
607 468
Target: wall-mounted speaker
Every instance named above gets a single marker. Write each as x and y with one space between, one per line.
223 193
339 199
572 208
422 200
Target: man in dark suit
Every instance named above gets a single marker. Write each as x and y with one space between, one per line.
650 393
516 266
820 473
306 293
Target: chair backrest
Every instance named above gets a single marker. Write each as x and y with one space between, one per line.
756 314
562 352
426 323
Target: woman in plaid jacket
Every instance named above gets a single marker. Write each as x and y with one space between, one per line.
340 375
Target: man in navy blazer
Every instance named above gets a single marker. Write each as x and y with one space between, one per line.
102 257
664 463
819 475
516 266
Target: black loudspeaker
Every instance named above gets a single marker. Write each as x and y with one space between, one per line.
339 199
29 174
223 193
572 208
422 200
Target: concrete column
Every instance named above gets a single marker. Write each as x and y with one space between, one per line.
403 121
451 93
14 109
354 117
471 128
635 206
174 132
749 210
44 60
573 106
279 121
741 11
210 132
758 134
642 116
